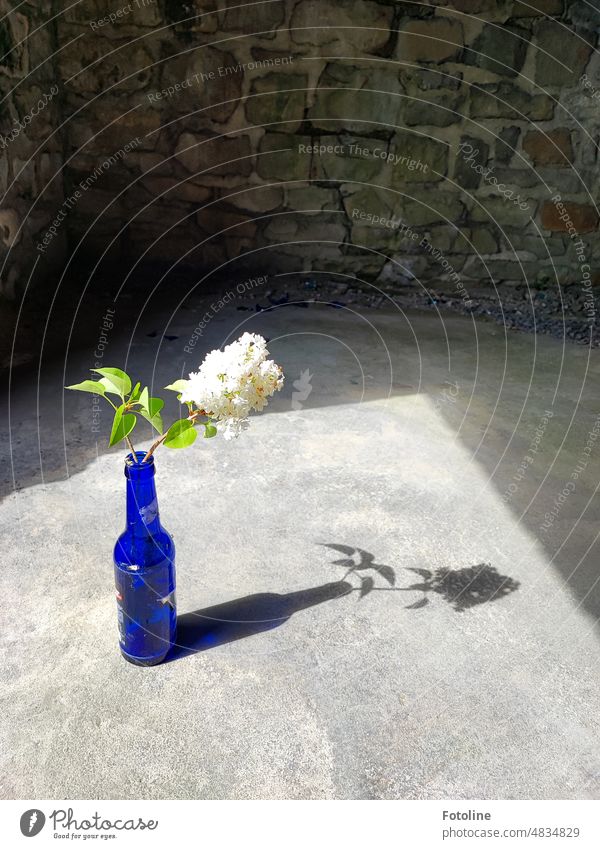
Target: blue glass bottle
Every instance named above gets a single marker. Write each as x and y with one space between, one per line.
144 558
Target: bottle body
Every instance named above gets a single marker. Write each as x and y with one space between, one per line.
144 558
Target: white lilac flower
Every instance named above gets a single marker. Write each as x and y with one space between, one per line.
232 383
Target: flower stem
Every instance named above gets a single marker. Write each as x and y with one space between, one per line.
192 417
132 449
154 446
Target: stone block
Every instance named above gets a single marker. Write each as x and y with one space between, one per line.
254 198
376 199
349 158
506 144
518 240
418 158
583 217
214 156
49 165
175 189
165 211
36 52
561 55
432 40
501 49
218 87
481 240
442 238
549 148
382 239
78 14
313 240
283 228
89 71
418 80
358 24
268 58
472 156
260 20
500 270
536 8
154 163
106 132
524 177
431 206
282 157
418 207
311 200
359 111
26 100
327 227
502 211
278 97
356 99
119 21
505 100
439 108
568 180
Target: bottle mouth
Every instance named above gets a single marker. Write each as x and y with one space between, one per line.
136 466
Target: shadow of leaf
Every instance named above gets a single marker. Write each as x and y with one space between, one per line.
388 573
421 603
366 585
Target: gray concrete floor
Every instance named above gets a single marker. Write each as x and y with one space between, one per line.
413 430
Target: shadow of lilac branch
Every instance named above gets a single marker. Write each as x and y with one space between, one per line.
461 588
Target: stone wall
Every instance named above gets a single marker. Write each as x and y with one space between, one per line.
31 144
393 141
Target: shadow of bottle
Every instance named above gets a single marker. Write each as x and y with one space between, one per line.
242 617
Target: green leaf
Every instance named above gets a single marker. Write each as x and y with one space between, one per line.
110 387
123 424
144 397
93 386
178 386
209 431
155 405
151 412
134 397
181 434
114 380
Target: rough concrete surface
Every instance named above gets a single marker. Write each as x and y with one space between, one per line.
411 432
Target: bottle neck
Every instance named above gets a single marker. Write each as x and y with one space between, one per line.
141 504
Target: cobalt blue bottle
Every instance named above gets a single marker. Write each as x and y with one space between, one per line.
144 571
